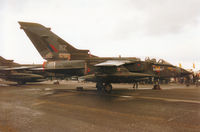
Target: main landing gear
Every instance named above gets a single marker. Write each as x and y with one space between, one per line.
156 85
104 87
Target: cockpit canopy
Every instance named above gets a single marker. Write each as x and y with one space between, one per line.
160 61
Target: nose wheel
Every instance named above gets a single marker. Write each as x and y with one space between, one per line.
156 85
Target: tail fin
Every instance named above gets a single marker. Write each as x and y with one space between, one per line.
49 45
4 62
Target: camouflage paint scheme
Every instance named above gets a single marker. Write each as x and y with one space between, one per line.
18 73
103 70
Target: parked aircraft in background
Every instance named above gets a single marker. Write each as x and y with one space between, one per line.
102 70
18 73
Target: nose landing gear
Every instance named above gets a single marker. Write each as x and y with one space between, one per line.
156 85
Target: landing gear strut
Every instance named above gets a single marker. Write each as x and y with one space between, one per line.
156 85
104 87
135 85
99 86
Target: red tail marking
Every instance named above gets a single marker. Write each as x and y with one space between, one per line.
88 70
43 65
54 49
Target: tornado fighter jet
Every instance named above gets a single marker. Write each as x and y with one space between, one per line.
18 73
102 70
132 72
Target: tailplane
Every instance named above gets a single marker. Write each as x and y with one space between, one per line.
49 45
5 62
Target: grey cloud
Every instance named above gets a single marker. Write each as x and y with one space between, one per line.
93 24
160 17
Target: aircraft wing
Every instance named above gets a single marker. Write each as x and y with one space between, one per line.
111 63
17 68
114 71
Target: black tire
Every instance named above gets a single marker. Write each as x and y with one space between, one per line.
156 87
108 88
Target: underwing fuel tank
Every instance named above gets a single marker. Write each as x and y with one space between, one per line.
62 64
69 68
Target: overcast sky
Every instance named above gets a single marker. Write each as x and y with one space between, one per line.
167 29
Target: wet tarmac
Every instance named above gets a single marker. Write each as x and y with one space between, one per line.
44 107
